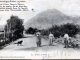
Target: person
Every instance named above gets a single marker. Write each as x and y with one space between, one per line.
66 38
70 41
51 36
38 40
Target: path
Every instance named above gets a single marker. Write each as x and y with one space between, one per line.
29 44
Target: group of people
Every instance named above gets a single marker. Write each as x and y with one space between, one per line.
38 40
51 39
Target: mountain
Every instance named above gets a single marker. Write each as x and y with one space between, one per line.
50 17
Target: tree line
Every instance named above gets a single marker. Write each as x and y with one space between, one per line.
57 30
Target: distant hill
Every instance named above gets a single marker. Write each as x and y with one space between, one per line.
51 17
1 27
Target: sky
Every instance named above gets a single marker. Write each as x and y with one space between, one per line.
69 7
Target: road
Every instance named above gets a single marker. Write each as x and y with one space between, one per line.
29 44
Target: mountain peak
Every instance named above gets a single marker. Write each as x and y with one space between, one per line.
48 18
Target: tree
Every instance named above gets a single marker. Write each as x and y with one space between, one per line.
60 30
31 30
70 29
14 27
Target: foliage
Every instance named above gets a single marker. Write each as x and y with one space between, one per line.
14 27
58 31
1 36
31 30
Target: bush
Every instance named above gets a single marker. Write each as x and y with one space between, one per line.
31 30
1 36
58 31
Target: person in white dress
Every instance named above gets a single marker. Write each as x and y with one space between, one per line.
51 37
66 39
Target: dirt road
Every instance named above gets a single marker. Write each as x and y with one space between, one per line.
29 44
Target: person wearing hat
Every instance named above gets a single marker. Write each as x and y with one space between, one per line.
51 36
38 39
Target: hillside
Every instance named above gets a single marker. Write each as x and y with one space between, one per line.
51 17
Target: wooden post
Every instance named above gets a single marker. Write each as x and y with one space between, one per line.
7 32
11 32
7 29
4 35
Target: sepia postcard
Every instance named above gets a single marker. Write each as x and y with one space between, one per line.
39 29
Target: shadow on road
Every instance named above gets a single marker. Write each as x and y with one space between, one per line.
31 48
34 48
47 45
